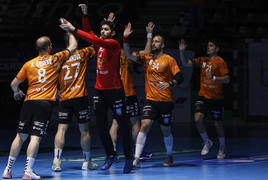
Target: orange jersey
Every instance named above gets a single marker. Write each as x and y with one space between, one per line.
158 70
72 74
42 74
126 76
211 89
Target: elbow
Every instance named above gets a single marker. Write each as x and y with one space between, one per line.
179 78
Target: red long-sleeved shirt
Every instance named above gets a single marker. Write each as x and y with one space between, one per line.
108 58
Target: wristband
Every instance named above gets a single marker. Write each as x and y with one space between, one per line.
171 83
214 78
149 35
125 40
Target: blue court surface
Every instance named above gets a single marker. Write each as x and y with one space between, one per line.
247 159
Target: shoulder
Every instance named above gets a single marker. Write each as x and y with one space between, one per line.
220 60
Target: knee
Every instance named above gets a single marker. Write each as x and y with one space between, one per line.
198 117
85 134
144 127
22 137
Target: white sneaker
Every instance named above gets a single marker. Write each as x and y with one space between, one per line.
221 153
89 165
136 163
206 147
29 175
56 166
7 174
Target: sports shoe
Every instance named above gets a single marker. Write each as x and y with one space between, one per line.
116 159
206 147
136 163
29 174
56 166
89 165
168 161
221 153
7 174
108 162
128 166
146 155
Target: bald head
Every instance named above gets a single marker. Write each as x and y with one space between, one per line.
42 43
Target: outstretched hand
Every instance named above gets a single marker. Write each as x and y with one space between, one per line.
127 30
18 95
110 18
67 26
182 45
150 27
83 8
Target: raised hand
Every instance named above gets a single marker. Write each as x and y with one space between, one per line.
67 26
110 18
150 27
127 30
83 8
182 45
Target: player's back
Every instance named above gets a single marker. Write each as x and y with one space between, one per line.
42 74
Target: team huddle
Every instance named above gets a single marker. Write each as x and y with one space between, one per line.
63 74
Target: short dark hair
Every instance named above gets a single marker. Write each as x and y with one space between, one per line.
215 42
109 23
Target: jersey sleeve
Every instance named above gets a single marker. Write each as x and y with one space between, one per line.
96 41
22 74
173 66
88 53
86 25
61 56
223 68
141 59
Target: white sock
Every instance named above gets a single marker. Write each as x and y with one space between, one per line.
29 163
222 141
169 144
114 146
86 155
57 154
10 162
141 138
204 136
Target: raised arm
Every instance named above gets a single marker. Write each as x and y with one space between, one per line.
148 45
85 21
72 42
89 37
182 47
18 94
126 47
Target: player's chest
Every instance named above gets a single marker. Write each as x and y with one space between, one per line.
157 65
209 66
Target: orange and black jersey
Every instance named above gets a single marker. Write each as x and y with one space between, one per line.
42 74
72 75
157 70
211 89
126 75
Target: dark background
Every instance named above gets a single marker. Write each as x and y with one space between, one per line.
231 21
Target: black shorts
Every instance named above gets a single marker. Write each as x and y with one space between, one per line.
158 110
212 106
76 106
132 106
34 117
113 99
